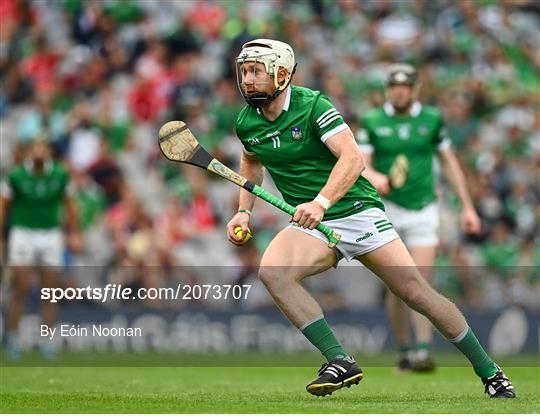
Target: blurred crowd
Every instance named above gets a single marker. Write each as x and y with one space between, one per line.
97 78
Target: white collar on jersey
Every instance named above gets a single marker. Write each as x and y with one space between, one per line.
416 107
29 165
287 101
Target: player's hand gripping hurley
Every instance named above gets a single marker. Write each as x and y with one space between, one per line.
178 144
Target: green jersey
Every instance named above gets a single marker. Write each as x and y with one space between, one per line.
36 198
293 151
418 136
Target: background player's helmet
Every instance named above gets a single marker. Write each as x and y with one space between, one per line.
401 74
273 54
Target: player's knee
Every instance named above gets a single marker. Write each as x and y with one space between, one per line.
275 278
419 302
417 296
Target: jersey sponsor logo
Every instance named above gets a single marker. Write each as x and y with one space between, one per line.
41 188
296 133
255 141
404 131
328 117
383 131
364 237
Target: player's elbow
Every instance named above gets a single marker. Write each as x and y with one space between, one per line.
361 165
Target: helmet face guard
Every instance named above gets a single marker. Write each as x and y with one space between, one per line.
272 55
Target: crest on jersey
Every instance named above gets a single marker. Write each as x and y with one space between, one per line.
423 130
296 133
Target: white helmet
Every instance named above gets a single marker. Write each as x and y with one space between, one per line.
273 54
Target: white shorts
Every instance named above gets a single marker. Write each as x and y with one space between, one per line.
34 247
360 233
416 228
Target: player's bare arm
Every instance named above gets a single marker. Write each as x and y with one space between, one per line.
346 171
253 170
74 233
470 222
348 168
379 180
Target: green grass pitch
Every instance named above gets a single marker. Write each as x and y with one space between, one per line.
25 389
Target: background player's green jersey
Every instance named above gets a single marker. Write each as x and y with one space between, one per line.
293 151
416 135
36 198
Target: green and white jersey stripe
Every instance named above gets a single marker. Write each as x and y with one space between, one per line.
327 117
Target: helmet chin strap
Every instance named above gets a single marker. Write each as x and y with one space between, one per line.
261 99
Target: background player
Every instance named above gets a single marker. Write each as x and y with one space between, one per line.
298 135
403 126
34 192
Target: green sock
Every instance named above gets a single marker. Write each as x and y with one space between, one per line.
468 344
322 337
404 350
423 346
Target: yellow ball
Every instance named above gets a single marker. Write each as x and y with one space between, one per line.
238 233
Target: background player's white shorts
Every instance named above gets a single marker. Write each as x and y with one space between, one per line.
33 247
360 233
416 228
